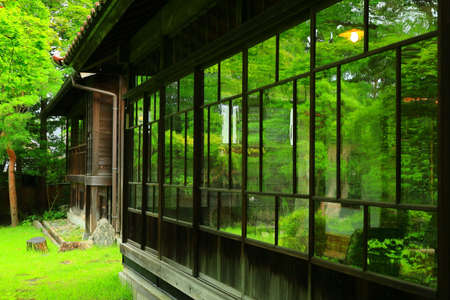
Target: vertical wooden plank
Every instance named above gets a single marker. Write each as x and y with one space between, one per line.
312 133
312 138
186 124
398 125
338 133
161 157
145 161
365 236
277 218
277 58
444 150
198 162
124 83
170 149
230 140
219 208
261 140
67 145
209 150
244 161
366 25
294 137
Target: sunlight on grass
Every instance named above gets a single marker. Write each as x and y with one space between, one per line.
78 274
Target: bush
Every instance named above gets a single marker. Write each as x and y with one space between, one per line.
295 233
48 215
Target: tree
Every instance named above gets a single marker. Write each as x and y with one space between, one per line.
27 74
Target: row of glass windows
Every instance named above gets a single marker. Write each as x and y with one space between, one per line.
374 127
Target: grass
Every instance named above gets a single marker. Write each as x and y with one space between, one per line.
77 274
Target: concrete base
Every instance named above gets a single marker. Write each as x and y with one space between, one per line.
142 289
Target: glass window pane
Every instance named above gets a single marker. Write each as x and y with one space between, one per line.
168 151
261 64
150 198
339 233
156 199
153 108
340 31
219 145
178 148
303 112
153 152
278 139
170 202
137 154
230 213
419 108
293 225
294 51
140 111
402 244
208 214
261 218
186 92
171 104
397 20
325 144
236 143
156 106
185 204
368 129
132 195
211 84
190 148
231 76
253 178
205 147
138 196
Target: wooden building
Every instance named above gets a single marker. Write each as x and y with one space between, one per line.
271 149
89 143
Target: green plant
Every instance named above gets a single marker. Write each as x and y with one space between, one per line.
48 215
295 233
384 256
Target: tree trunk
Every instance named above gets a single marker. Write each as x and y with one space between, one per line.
37 244
12 188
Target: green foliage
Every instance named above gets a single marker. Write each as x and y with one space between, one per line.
27 71
48 215
67 19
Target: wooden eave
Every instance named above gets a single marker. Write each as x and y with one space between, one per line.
91 40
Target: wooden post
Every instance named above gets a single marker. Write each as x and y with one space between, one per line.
444 148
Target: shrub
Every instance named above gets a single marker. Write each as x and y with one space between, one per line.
295 233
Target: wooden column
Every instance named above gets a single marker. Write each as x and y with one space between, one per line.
444 150
198 162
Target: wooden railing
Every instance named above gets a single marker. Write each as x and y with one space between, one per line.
77 160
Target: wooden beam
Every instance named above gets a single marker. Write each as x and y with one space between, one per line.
189 285
109 18
171 18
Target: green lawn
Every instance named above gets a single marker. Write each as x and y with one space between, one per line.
77 274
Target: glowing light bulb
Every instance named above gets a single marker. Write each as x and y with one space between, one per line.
354 37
